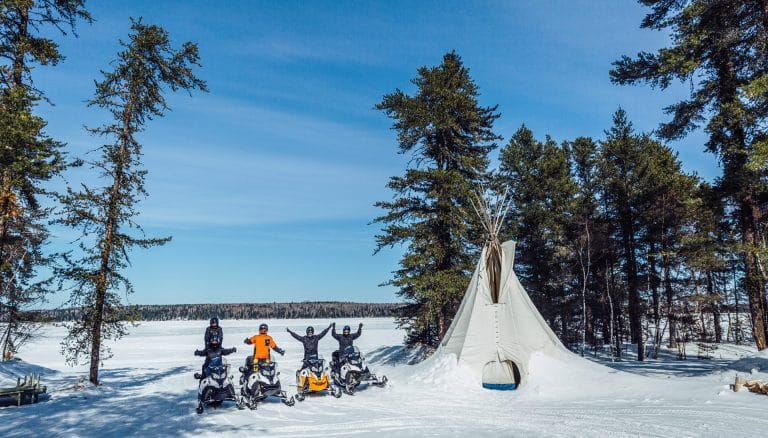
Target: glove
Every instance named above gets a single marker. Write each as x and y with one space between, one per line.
247 341
333 324
361 325
234 349
280 350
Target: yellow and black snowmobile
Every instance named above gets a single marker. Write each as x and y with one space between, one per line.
314 378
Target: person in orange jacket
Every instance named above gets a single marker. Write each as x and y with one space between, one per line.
262 343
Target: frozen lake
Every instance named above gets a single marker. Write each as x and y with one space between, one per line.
148 390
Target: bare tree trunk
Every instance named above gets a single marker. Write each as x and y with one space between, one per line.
760 243
670 301
103 281
7 344
729 334
635 318
610 306
441 326
753 281
110 228
715 307
653 284
738 313
5 218
585 276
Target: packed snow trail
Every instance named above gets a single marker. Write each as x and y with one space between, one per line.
148 390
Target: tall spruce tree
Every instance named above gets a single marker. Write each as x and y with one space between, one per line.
667 195
538 177
705 249
449 135
23 41
622 168
719 48
133 93
28 157
584 227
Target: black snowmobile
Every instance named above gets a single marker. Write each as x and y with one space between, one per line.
215 385
349 370
261 380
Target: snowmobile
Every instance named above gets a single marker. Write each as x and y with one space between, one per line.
261 380
313 378
215 386
350 370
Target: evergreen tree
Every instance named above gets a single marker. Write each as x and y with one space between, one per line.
541 190
719 48
585 227
28 157
665 218
450 136
133 93
23 44
705 249
623 166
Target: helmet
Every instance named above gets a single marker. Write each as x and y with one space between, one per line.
346 329
263 327
214 320
310 330
214 342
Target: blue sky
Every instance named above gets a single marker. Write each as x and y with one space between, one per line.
267 183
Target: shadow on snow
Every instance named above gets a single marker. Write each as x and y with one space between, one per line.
127 403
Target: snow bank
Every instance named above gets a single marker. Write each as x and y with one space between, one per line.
443 372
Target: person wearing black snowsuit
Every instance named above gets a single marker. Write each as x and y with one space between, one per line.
214 329
210 352
309 342
345 340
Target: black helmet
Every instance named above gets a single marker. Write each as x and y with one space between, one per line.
346 329
214 320
263 327
214 342
310 330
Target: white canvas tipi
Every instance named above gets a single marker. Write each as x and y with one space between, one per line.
497 328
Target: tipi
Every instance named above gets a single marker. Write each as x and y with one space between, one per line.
497 327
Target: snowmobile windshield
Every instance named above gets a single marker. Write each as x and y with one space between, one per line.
351 350
217 361
317 366
217 368
352 355
267 369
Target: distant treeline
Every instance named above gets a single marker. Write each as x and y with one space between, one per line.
306 309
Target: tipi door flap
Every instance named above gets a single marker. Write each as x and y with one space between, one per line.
499 373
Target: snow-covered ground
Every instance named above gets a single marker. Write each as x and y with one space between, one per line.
148 390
